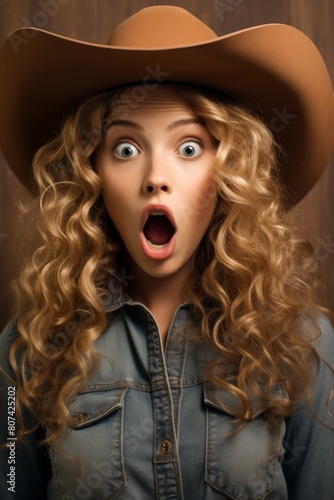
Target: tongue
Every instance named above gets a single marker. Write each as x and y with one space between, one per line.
158 230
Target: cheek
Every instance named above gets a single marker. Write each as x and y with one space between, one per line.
116 206
204 198
116 193
198 206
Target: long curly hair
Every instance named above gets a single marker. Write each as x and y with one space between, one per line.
253 279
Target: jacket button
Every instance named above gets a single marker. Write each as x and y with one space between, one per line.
78 418
166 447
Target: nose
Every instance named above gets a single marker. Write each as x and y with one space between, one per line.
156 179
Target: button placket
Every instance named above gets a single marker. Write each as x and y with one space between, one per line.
176 348
166 462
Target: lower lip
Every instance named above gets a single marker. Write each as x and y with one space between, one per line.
157 253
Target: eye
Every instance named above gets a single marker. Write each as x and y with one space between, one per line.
190 149
126 150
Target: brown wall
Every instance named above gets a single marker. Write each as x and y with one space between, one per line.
94 20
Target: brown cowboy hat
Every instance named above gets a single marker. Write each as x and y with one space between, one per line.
273 69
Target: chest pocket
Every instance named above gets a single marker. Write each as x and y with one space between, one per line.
95 442
241 465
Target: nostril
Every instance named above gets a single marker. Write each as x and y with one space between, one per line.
150 188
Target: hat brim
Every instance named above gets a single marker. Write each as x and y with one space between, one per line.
275 70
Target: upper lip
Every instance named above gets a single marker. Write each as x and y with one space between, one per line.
156 207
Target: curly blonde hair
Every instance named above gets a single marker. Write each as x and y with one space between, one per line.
252 278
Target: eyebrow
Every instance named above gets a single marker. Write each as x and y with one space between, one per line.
181 123
136 126
124 123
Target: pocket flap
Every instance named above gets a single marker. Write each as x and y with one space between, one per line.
94 405
226 401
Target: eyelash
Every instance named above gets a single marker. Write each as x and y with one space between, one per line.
194 141
128 142
124 142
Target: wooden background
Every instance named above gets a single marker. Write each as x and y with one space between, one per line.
94 20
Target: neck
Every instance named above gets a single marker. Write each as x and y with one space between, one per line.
151 291
161 295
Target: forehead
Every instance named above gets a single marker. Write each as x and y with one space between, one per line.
139 101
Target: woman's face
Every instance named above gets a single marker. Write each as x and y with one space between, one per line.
155 165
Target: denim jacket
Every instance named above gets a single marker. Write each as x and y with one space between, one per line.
149 427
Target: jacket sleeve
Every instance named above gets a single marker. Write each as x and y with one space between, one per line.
308 462
24 466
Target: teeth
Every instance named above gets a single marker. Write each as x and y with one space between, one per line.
157 246
156 212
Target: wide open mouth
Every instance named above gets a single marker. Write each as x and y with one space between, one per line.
158 229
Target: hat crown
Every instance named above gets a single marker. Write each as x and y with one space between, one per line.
160 26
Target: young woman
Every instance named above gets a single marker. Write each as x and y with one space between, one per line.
167 343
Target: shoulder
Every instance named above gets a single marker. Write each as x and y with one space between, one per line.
320 333
324 345
309 438
7 337
318 329
325 342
